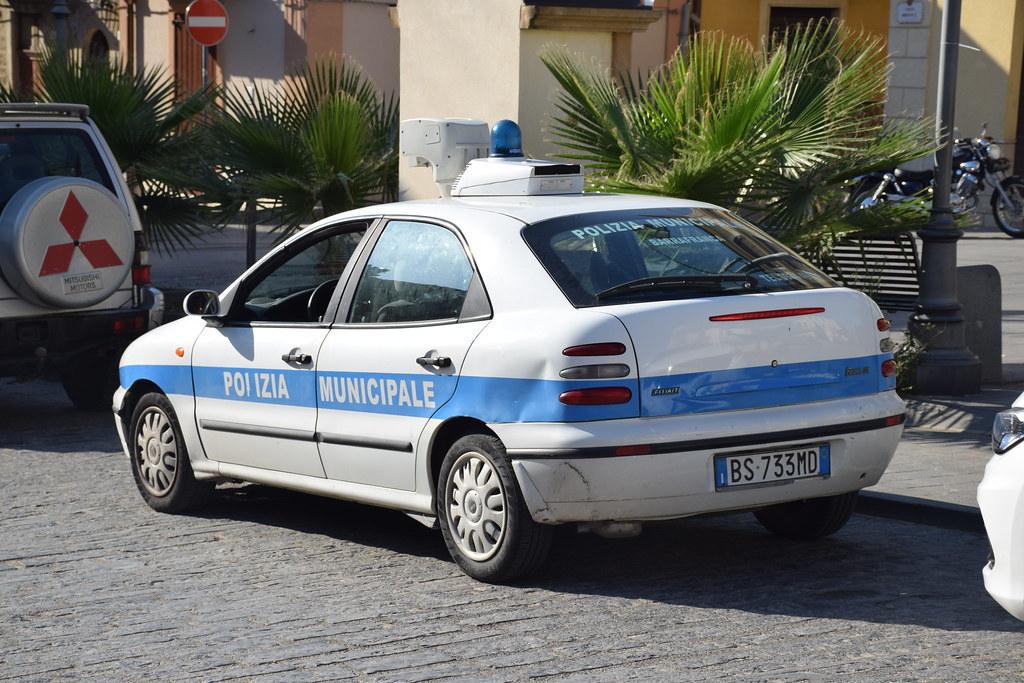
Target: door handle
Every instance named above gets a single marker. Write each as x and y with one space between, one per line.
300 358
436 361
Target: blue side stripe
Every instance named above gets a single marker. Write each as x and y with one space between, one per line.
392 394
172 379
763 386
282 387
498 399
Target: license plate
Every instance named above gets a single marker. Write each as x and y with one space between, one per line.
772 467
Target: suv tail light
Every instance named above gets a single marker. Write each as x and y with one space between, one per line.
140 275
140 264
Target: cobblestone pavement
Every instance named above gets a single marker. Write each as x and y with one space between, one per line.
275 586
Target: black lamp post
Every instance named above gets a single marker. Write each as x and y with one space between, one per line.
947 367
60 22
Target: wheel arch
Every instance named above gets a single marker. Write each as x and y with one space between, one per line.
446 435
132 396
184 408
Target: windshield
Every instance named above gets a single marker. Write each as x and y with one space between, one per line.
678 253
30 153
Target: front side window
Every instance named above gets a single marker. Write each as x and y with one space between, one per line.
299 287
417 272
678 253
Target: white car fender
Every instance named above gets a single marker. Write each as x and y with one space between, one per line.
163 357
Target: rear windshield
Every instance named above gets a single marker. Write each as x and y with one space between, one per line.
27 154
678 253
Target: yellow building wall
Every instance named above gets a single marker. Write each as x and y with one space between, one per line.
988 82
740 18
870 16
749 18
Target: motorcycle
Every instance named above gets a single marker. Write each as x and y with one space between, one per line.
974 161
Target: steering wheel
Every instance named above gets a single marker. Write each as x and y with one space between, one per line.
319 299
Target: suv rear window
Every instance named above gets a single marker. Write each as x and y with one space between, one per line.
27 154
678 253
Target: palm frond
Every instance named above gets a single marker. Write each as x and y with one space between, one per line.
774 131
324 141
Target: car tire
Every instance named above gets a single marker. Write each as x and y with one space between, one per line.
808 519
485 523
159 458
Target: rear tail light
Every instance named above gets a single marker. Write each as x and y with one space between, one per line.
596 396
883 325
603 371
602 349
141 262
134 324
888 368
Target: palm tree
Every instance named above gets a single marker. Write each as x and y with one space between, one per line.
147 122
774 132
323 142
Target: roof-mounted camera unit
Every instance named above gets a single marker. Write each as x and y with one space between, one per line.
468 162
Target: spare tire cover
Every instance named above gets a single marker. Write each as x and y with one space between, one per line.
65 242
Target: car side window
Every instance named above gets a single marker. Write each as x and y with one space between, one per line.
299 288
417 272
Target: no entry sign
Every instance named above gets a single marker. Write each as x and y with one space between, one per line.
206 21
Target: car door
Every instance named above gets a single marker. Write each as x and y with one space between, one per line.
254 371
394 359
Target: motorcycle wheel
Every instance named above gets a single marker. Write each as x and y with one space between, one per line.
1010 215
862 191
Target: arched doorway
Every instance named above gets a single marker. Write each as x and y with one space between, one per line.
98 47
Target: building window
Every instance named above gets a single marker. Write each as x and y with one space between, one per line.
781 19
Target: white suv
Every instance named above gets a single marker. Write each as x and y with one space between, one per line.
73 260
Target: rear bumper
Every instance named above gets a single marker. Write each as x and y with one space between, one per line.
1001 499
569 472
28 342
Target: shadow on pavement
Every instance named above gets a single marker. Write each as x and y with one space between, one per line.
874 570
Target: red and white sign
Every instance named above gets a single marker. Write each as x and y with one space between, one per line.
206 21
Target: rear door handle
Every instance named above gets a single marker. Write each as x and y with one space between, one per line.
436 361
299 358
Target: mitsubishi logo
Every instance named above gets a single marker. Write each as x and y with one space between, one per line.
98 253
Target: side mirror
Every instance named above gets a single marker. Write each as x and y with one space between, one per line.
202 302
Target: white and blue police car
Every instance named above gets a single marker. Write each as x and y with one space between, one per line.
519 355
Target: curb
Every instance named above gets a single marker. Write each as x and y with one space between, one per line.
920 511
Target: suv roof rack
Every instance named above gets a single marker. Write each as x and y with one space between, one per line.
43 109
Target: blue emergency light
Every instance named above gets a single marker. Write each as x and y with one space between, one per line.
506 139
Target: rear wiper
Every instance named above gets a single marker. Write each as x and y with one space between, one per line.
677 281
